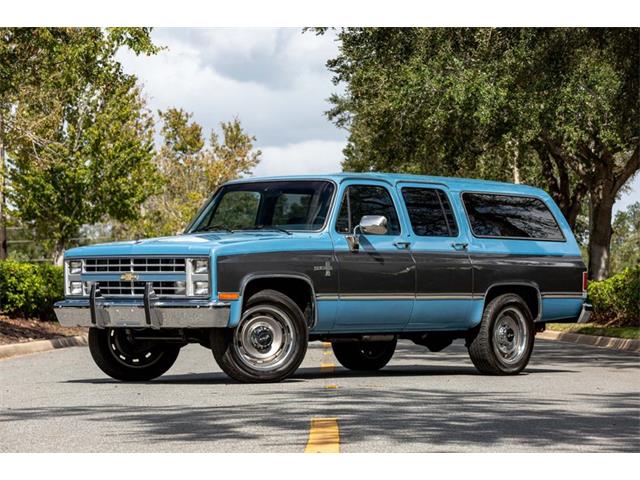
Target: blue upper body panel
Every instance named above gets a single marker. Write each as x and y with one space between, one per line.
266 241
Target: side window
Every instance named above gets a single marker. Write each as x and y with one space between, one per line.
494 215
430 212
361 200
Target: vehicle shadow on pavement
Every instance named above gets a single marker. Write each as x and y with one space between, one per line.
549 409
423 419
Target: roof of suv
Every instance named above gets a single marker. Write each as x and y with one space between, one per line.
394 178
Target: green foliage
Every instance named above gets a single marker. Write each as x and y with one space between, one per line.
552 107
30 290
78 137
625 242
617 299
191 170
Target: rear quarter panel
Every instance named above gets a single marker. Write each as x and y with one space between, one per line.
554 267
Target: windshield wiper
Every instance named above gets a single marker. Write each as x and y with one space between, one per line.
210 228
273 227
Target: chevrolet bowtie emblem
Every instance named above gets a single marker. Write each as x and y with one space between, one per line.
128 277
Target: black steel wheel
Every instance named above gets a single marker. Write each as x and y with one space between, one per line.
118 354
366 356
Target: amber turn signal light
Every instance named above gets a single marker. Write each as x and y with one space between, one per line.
228 296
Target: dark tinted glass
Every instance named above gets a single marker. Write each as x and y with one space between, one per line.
492 215
430 212
292 205
361 200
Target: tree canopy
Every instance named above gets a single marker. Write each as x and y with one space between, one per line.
554 107
77 139
191 170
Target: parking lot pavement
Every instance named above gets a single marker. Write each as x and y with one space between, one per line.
571 398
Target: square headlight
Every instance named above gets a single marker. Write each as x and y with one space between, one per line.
75 288
75 266
201 288
200 265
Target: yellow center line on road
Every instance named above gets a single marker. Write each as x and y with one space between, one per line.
324 436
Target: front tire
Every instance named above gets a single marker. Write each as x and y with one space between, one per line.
269 343
364 356
122 357
503 343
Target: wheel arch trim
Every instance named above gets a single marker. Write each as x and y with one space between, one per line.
236 313
533 285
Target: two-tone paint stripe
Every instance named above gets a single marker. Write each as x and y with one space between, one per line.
563 295
395 296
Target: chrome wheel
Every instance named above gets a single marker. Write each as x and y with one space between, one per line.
264 339
510 336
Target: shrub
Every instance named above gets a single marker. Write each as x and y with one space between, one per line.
30 290
616 300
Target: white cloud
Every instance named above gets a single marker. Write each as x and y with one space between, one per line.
310 157
274 80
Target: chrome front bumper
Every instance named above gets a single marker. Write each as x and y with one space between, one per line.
101 312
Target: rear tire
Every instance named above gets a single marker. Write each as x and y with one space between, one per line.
121 357
503 342
268 344
364 356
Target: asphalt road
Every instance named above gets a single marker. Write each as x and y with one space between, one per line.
571 398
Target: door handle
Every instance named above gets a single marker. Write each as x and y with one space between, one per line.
460 245
402 245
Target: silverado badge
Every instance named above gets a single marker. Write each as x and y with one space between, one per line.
128 277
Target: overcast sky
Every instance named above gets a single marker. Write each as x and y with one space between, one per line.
274 80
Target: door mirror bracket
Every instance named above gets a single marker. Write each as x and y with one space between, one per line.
369 224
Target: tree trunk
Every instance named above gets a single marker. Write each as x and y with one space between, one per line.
58 253
3 187
600 234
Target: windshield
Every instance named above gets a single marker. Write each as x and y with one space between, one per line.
286 205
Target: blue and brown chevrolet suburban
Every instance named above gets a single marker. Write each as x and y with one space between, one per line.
358 260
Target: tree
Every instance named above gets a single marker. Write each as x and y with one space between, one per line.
553 107
625 241
77 136
191 171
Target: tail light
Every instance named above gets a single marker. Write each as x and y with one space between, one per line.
585 281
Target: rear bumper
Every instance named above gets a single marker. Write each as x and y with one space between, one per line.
102 313
585 314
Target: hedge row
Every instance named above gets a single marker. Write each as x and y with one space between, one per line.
30 290
616 300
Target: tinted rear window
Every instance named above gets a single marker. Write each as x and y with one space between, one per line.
492 215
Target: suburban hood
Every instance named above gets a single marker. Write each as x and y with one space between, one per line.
192 244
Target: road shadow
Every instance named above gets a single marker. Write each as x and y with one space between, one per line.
437 420
415 415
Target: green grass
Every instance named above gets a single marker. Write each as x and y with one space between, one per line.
591 329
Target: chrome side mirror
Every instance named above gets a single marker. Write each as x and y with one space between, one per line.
369 224
374 224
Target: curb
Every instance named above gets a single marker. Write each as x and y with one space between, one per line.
15 349
626 344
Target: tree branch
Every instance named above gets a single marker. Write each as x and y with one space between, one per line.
631 167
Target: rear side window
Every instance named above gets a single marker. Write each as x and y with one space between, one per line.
361 200
430 212
510 216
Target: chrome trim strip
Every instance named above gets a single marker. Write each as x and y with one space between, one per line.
445 296
376 296
576 295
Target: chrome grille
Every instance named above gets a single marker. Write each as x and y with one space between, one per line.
137 288
135 264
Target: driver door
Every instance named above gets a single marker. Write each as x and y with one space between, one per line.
377 281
